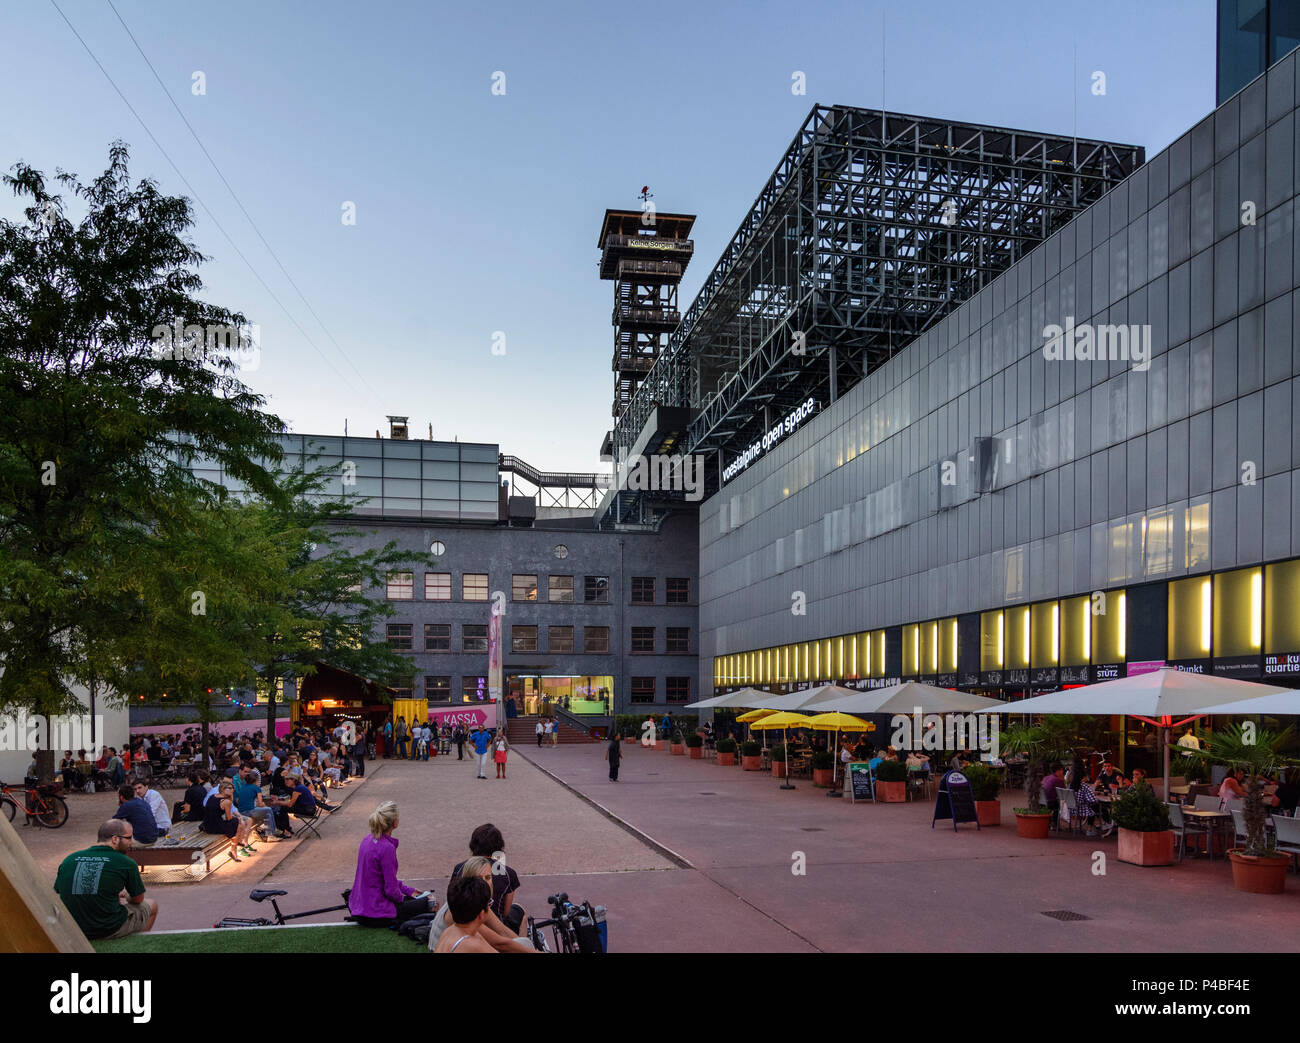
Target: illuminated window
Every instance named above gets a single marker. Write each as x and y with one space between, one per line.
1282 607
1108 613
1190 618
1239 612
992 641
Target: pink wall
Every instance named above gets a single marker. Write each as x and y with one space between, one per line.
217 728
467 715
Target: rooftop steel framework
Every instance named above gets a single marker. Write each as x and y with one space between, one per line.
873 226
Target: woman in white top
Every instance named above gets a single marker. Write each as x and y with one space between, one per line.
492 930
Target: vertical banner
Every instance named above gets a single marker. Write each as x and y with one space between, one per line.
494 660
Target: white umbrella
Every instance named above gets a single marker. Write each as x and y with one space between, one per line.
749 698
815 696
908 697
1157 698
1285 702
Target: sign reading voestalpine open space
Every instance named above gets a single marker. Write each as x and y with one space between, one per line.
774 435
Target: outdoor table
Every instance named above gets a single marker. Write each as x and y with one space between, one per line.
1214 818
1181 791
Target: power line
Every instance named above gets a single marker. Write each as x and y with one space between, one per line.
238 202
197 199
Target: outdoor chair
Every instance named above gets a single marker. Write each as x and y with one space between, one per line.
1288 838
1181 827
1238 826
1204 802
1071 805
1234 804
308 820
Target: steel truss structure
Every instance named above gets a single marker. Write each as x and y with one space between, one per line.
873 226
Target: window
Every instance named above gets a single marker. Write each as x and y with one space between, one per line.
473 637
437 637
595 639
473 689
677 591
437 586
560 639
437 689
677 689
402 693
643 590
523 639
678 639
524 588
401 586
643 689
399 636
560 589
643 639
560 551
474 586
437 548
595 590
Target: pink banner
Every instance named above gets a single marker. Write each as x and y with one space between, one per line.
216 728
1147 666
466 715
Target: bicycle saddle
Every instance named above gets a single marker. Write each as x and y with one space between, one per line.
261 896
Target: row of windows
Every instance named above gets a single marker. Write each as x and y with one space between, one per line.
525 587
473 638
473 689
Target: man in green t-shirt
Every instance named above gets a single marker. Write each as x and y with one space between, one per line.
93 883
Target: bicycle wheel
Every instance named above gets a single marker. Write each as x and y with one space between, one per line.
10 808
52 812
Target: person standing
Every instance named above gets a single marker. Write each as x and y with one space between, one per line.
388 740
541 730
481 741
555 732
500 755
400 734
613 754
459 738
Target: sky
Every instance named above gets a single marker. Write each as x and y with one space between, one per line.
477 213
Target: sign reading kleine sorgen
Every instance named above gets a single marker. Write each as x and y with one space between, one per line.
775 434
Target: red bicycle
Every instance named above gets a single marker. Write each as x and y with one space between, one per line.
40 804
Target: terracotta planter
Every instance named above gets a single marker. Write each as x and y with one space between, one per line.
697 752
1259 874
751 763
727 759
891 792
1146 849
679 750
778 769
988 812
631 741
822 777
1033 827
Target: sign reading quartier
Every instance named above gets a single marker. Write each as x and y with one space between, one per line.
779 431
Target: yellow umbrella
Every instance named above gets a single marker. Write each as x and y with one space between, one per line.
835 722
782 720
754 715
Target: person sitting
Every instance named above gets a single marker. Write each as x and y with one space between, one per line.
1110 777
157 805
274 822
91 883
487 842
1051 799
493 931
378 898
221 819
1288 791
1231 787
468 899
190 807
862 750
114 768
917 761
1086 803
132 809
300 802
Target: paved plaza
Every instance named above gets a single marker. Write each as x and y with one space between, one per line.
690 856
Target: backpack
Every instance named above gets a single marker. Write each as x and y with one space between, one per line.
417 928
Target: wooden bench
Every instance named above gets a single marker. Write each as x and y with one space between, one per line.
192 847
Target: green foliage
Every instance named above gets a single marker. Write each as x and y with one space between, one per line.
726 745
891 771
985 782
778 752
822 760
1257 751
1139 809
1055 737
749 748
694 741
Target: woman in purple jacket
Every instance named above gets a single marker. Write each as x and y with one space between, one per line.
379 898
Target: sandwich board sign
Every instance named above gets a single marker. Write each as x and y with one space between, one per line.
861 786
955 801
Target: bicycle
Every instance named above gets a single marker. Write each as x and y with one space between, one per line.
43 808
573 927
279 920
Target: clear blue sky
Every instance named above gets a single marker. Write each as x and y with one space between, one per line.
478 213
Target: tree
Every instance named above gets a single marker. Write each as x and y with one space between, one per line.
100 424
1055 736
1257 752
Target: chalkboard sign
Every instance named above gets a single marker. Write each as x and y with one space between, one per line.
861 786
955 801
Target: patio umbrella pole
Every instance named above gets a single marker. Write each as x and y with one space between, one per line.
1164 741
787 784
833 792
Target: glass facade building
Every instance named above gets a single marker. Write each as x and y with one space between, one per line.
1252 35
1059 521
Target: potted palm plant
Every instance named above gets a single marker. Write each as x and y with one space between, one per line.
778 761
751 755
985 785
823 763
726 751
695 746
1256 867
1052 738
1145 837
891 782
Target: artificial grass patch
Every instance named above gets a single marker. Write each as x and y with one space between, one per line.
329 938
